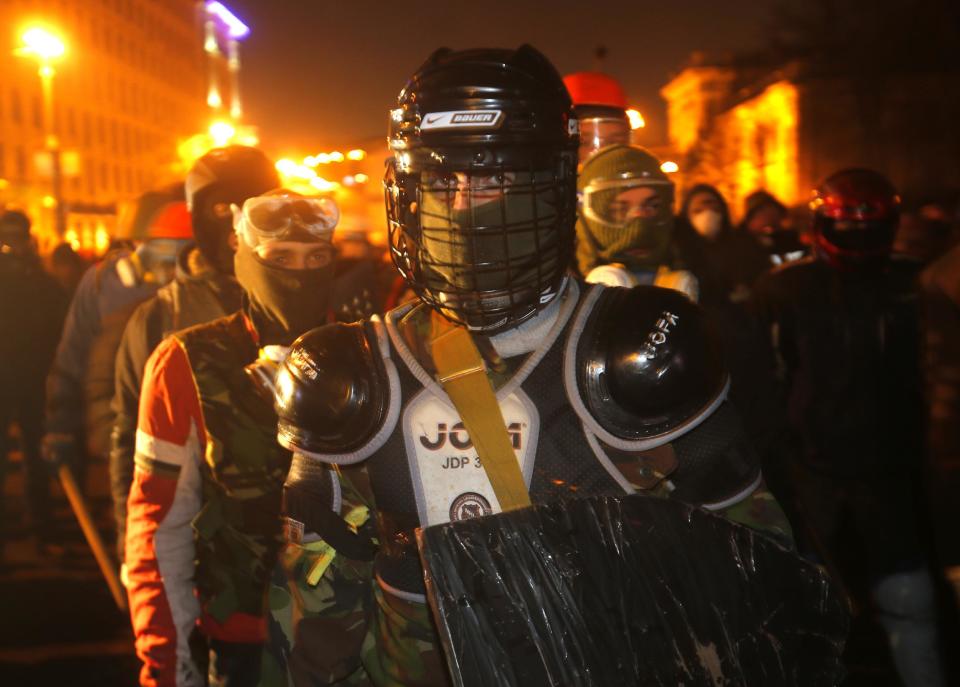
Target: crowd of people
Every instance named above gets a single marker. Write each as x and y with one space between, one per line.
278 433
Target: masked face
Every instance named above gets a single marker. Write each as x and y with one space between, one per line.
487 241
705 214
629 222
284 262
158 258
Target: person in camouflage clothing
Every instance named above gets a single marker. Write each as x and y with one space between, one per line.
203 527
481 203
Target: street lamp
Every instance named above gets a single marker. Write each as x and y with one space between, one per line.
46 47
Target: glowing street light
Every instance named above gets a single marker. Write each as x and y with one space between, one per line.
45 46
636 119
669 167
40 43
222 133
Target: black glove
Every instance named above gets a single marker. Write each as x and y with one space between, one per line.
309 495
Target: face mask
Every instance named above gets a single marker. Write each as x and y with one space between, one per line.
708 223
488 246
158 258
282 303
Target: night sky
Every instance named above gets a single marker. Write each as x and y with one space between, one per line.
320 74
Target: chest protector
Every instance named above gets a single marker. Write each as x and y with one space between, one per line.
238 531
585 417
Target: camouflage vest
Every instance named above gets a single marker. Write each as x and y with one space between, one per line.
238 531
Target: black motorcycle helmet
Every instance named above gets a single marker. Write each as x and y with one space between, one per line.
481 189
855 217
221 178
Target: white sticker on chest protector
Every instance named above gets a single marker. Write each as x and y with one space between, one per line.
448 478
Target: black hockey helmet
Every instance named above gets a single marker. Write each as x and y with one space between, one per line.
481 189
221 178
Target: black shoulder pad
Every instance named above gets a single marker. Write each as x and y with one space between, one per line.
649 362
332 390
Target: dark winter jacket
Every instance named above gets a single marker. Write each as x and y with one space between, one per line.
199 294
80 384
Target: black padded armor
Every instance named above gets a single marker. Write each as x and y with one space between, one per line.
648 362
332 390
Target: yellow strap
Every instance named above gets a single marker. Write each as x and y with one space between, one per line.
463 376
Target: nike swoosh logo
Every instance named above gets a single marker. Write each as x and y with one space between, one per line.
435 119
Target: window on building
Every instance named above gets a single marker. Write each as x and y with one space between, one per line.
21 159
104 177
87 129
91 177
3 161
37 112
15 111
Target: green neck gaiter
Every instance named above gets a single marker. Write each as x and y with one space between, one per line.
640 246
282 304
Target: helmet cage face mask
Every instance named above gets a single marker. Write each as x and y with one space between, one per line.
485 245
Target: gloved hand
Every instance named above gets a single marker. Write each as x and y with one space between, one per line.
312 501
59 449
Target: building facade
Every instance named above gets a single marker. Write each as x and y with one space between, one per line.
130 86
785 129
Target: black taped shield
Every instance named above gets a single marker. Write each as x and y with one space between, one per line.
628 591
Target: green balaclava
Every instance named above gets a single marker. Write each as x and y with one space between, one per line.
498 240
638 243
282 304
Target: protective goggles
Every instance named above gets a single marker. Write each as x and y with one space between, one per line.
618 202
287 217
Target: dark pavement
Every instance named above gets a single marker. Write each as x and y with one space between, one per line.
59 624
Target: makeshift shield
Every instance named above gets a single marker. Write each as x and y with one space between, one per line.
628 591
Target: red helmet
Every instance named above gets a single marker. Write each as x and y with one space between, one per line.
855 216
158 214
595 88
600 104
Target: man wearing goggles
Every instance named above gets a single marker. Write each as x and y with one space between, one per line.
626 221
203 525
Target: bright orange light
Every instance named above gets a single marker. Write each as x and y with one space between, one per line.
101 240
669 167
322 184
356 154
48 202
636 119
42 43
222 133
73 239
336 156
360 178
765 128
